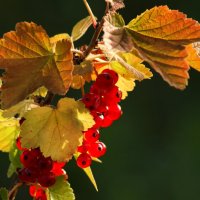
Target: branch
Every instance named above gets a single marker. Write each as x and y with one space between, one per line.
96 34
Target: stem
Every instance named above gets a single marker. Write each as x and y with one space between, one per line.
82 87
12 193
96 35
90 13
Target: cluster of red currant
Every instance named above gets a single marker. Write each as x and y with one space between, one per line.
38 171
102 101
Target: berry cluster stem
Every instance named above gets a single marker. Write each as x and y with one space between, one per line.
12 193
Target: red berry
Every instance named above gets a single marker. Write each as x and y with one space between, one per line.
45 164
91 100
114 96
112 73
98 118
84 160
97 149
106 122
28 175
105 81
47 179
82 149
91 135
57 168
114 111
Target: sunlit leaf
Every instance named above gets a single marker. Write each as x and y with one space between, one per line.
42 91
81 27
194 56
125 85
56 131
61 190
19 109
9 130
38 62
159 35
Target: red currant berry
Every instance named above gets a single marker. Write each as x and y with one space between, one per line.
28 175
45 164
91 100
84 160
97 149
57 168
47 179
92 135
114 96
114 111
36 191
105 81
112 73
98 118
106 122
82 149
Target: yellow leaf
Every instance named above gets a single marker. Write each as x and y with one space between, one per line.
30 61
158 35
20 109
125 85
56 131
9 130
134 62
193 57
42 91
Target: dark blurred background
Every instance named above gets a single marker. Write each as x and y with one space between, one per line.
153 150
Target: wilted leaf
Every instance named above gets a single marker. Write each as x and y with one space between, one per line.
159 35
28 52
9 130
61 190
56 131
115 36
116 4
19 109
4 194
193 56
81 27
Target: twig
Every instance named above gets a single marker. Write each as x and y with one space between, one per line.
14 190
96 35
94 22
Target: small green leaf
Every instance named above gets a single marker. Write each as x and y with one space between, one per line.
4 194
81 27
15 163
61 190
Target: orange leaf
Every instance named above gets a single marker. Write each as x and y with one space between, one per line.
31 61
158 35
193 57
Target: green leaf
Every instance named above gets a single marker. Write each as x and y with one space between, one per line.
4 194
9 130
14 157
56 131
61 190
81 27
